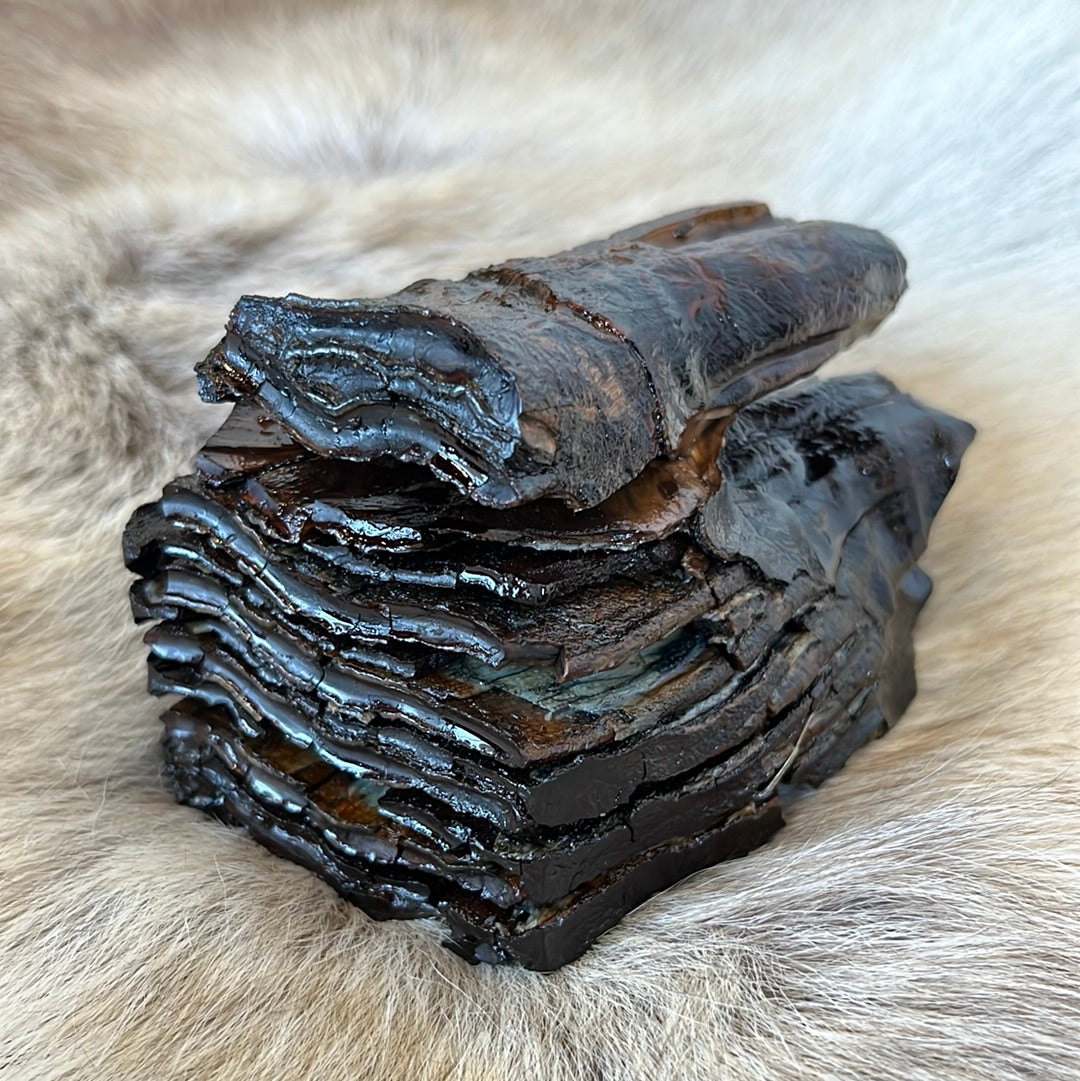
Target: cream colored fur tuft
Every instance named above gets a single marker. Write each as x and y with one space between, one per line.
919 917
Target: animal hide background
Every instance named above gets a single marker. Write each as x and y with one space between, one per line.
918 918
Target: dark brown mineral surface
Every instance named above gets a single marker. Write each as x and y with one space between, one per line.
513 600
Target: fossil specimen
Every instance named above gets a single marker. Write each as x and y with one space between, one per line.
516 599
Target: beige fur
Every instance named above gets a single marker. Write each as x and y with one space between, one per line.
918 919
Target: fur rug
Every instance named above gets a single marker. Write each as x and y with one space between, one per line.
918 918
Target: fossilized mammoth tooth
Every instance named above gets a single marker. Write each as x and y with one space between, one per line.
691 582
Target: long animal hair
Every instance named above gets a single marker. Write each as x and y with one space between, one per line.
918 918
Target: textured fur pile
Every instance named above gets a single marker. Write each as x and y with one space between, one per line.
919 917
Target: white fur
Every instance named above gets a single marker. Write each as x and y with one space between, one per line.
918 918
